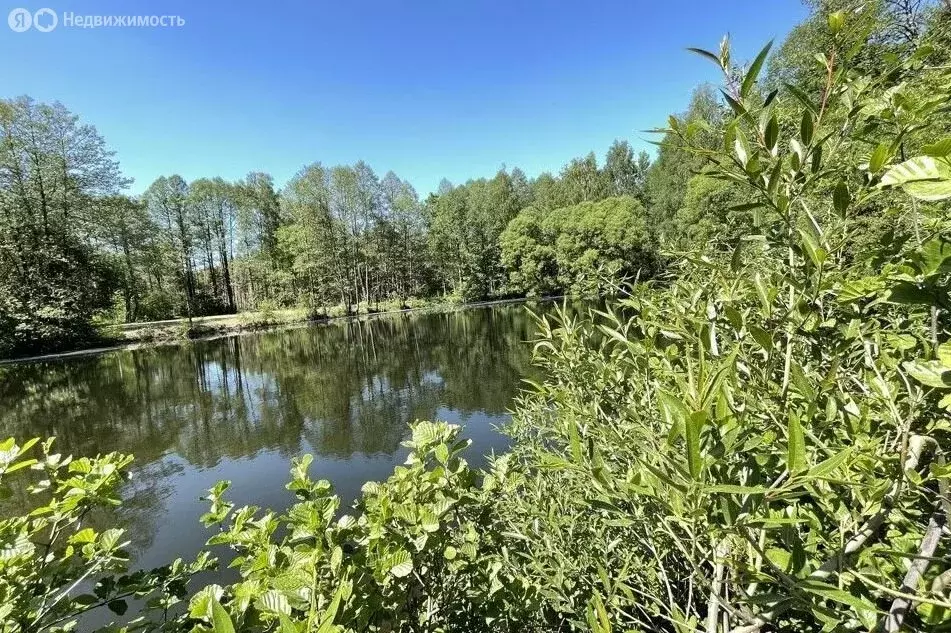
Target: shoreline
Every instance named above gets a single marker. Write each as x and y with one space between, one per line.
238 328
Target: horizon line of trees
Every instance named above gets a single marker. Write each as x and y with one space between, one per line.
75 250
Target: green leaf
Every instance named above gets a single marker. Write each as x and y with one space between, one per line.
674 413
574 440
772 133
287 625
921 177
941 149
220 620
119 607
944 354
762 337
817 255
933 256
806 127
199 607
330 613
694 426
274 602
799 381
878 158
930 373
741 149
597 616
905 293
109 539
841 198
762 293
442 453
400 563
803 98
86 535
753 73
836 22
828 466
796 445
707 55
835 594
428 520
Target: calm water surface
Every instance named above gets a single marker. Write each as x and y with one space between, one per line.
240 408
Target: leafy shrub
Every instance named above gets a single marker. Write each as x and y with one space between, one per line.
53 565
408 557
157 305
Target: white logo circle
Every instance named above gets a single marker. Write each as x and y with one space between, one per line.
38 24
20 20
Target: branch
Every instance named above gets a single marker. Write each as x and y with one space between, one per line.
909 585
713 604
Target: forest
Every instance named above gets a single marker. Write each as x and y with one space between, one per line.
752 435
77 251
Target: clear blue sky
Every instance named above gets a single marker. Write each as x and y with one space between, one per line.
427 88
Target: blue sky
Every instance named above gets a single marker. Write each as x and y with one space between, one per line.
428 88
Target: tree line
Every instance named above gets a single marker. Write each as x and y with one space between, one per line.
75 249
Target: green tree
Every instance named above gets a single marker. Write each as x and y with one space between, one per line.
584 249
625 173
52 280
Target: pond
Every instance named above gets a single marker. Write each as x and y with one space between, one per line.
240 407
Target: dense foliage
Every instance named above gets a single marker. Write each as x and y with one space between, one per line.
581 249
758 443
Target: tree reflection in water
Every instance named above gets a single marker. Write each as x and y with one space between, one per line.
240 407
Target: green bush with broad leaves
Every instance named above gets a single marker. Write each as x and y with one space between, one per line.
405 559
759 443
54 565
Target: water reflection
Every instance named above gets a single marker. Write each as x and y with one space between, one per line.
240 407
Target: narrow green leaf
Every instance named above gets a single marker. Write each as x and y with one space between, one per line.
753 73
828 466
694 426
802 97
735 105
707 55
771 134
816 254
796 445
806 127
762 293
841 198
574 441
674 413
